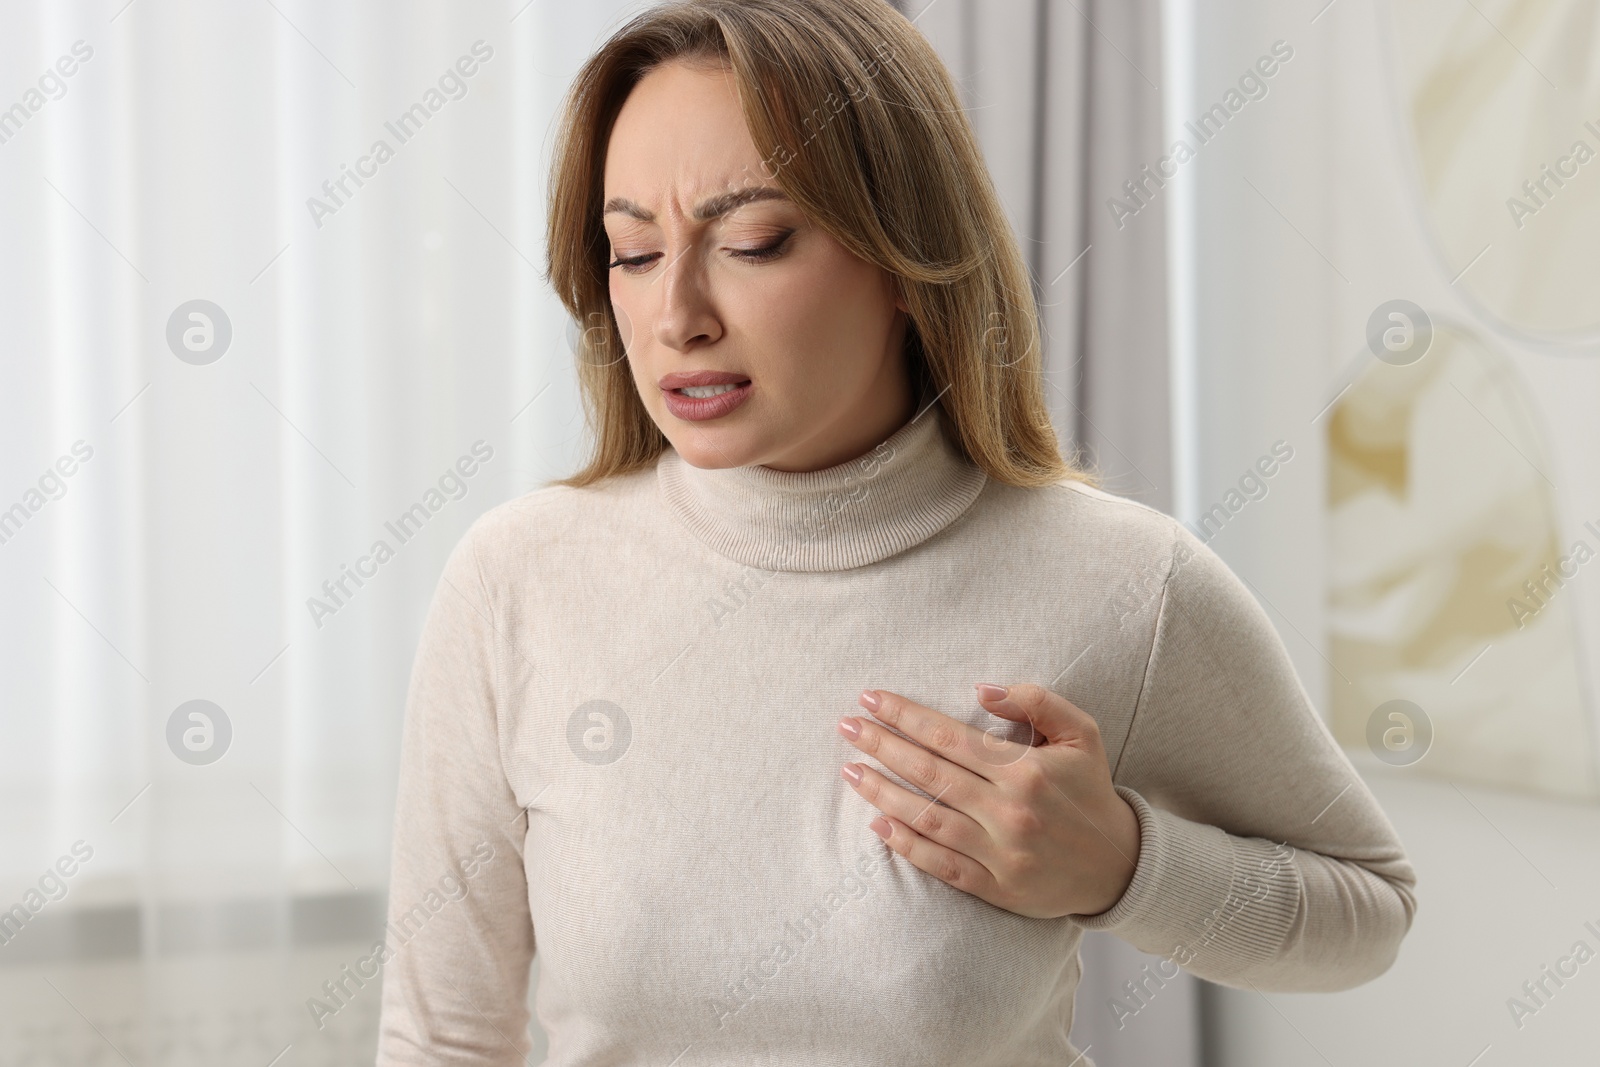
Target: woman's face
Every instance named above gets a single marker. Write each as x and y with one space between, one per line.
720 272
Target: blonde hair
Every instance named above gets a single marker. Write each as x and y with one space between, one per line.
860 125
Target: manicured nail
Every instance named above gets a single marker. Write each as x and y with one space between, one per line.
869 699
880 826
991 692
849 727
852 772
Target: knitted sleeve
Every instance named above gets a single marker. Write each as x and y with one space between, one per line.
1265 861
460 939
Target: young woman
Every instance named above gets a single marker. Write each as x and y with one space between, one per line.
815 718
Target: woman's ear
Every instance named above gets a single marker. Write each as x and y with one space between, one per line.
899 297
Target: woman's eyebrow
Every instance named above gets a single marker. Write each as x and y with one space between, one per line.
715 207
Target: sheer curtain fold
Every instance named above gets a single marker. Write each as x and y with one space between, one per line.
355 193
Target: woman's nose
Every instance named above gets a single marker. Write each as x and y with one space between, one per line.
685 311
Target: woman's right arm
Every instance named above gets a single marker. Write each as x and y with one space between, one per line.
459 940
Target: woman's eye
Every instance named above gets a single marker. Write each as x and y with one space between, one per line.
633 264
770 250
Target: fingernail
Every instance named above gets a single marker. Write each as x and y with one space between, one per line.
869 699
852 772
991 692
880 826
849 727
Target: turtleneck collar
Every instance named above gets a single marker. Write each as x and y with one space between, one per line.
899 494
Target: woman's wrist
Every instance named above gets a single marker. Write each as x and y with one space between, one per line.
1120 857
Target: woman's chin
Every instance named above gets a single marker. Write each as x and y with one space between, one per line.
711 447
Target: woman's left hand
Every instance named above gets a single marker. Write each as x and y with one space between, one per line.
1034 829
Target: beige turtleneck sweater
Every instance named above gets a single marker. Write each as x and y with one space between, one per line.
619 750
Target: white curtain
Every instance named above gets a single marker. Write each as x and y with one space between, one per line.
169 515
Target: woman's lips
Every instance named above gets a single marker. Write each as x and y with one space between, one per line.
699 409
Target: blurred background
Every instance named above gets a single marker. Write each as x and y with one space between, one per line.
238 340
